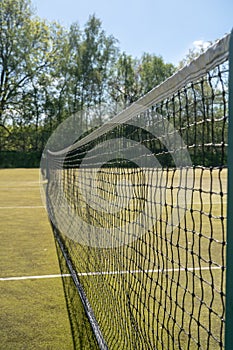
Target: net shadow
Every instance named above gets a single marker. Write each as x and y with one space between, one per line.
82 334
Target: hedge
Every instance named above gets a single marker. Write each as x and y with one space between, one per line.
16 159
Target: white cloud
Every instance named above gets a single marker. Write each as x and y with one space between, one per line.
195 47
200 45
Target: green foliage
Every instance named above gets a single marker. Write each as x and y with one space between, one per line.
132 78
124 80
17 159
49 72
153 71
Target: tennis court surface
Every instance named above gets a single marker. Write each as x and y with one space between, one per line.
33 313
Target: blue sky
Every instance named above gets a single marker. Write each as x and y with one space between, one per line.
163 27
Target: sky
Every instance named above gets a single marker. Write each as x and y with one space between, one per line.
167 28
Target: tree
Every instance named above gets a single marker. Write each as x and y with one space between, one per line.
153 71
92 56
132 78
48 73
124 82
25 50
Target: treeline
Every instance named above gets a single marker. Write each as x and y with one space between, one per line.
49 72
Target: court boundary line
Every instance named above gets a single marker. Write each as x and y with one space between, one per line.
23 278
102 273
182 269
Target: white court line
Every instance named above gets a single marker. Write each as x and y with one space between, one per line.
190 269
99 273
21 278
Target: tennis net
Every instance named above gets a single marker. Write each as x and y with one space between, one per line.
138 209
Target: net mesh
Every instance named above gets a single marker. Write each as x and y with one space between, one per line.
139 207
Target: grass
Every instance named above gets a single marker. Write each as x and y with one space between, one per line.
33 316
33 313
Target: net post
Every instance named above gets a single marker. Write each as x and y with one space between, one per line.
229 257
